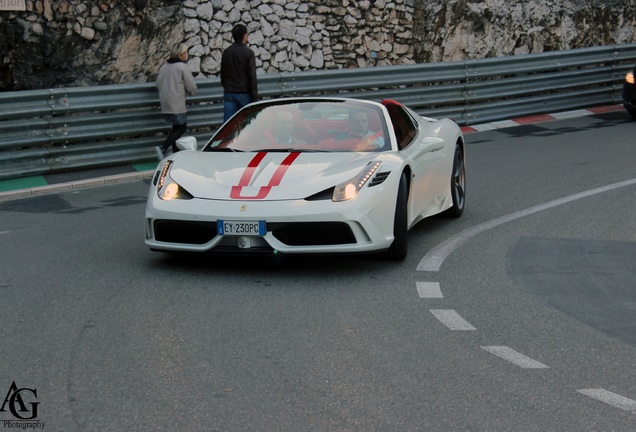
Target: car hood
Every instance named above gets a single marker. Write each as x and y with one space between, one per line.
263 175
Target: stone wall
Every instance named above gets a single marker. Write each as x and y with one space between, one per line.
57 43
472 29
298 35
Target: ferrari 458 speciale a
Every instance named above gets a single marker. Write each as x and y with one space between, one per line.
308 175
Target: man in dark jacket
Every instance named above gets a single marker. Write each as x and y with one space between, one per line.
238 74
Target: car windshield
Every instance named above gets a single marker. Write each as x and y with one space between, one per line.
308 125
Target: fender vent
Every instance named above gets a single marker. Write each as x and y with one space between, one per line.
379 178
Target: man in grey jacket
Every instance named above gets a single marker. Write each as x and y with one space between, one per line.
174 82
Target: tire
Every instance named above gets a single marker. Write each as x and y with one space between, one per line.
399 248
458 184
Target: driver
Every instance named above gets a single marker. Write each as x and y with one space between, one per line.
359 126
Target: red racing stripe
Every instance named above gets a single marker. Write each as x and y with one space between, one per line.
274 181
251 167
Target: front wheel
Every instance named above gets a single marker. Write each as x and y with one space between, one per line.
458 184
399 248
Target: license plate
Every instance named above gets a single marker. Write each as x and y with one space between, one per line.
241 228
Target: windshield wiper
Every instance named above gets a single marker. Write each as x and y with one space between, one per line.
288 150
222 149
274 150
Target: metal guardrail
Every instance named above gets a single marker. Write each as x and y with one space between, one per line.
64 129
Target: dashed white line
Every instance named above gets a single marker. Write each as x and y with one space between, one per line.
514 357
610 398
452 319
429 290
433 260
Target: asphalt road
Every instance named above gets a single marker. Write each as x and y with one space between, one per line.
520 316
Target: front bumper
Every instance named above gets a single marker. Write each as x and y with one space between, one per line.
363 224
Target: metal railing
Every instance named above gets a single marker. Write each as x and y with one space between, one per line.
64 129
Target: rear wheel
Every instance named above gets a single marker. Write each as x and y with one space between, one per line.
399 247
458 184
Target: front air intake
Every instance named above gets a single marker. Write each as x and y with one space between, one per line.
312 233
187 232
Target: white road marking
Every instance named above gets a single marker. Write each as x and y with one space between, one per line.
429 290
610 398
494 125
5 232
571 114
452 319
433 260
514 357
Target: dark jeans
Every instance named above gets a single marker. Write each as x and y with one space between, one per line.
178 122
171 141
232 102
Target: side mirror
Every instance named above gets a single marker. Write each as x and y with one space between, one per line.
187 143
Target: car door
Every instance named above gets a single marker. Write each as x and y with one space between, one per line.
424 155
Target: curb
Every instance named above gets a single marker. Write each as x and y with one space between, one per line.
520 121
76 185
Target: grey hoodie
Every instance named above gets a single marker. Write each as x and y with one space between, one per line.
173 82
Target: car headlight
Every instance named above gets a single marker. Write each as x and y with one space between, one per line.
347 190
629 77
168 189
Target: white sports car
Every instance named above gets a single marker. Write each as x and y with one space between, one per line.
308 175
